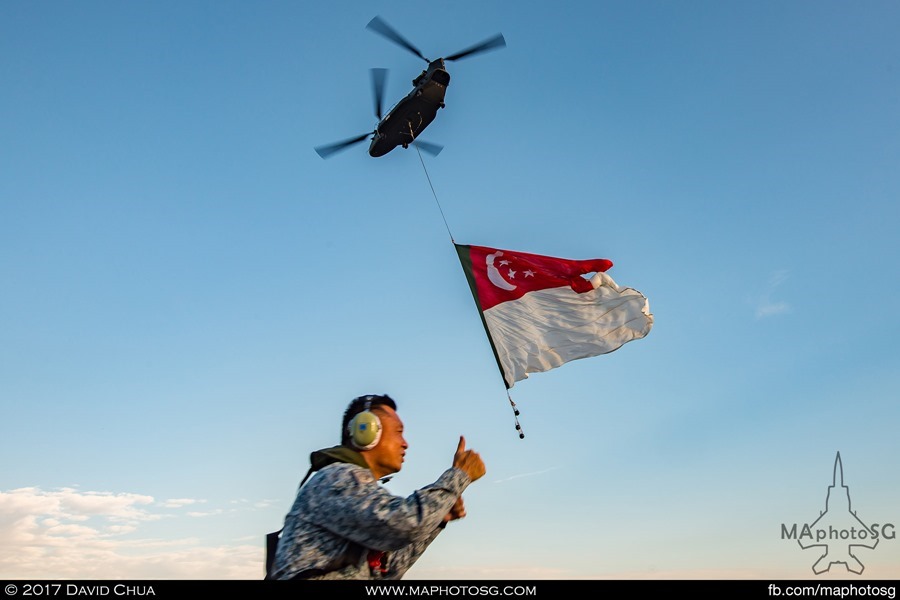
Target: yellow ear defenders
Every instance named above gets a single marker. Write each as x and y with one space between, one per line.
365 429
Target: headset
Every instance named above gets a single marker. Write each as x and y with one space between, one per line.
365 428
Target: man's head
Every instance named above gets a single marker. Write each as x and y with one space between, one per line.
372 427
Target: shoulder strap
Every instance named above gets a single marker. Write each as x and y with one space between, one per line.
272 538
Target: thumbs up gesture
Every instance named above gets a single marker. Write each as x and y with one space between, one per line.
468 461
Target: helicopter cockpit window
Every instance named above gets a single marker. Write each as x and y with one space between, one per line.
441 77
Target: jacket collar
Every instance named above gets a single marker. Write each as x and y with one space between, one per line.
337 454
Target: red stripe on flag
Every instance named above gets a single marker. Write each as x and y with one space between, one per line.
504 275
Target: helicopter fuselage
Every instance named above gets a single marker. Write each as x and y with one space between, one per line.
409 117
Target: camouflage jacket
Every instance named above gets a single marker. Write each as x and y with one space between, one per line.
343 520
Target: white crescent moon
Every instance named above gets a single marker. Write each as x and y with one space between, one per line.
494 275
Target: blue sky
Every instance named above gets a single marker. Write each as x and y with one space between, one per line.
191 295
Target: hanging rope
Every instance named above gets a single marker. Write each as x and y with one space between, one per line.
433 193
432 187
516 416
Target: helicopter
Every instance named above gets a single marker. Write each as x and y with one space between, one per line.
411 115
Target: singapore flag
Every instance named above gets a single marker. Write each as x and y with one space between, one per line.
541 312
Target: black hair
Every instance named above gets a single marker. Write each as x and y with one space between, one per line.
359 405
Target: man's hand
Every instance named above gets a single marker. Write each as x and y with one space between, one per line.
468 461
457 512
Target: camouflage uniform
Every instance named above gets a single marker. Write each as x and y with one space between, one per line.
343 520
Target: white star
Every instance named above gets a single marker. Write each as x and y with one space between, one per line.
504 262
529 273
512 274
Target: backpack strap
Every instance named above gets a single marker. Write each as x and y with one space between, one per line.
273 538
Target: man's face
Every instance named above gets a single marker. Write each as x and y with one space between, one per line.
387 456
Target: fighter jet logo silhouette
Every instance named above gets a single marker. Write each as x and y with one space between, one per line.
840 527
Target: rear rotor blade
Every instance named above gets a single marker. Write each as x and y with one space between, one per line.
379 76
489 44
378 25
328 150
432 149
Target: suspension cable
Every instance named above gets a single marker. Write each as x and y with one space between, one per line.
428 177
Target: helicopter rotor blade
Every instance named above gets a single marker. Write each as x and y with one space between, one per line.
379 25
489 44
432 149
379 76
329 149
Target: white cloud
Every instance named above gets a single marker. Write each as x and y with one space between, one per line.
532 474
765 305
180 502
208 513
769 309
72 534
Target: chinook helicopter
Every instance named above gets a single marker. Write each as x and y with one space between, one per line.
409 117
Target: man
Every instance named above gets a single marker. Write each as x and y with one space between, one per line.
345 525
